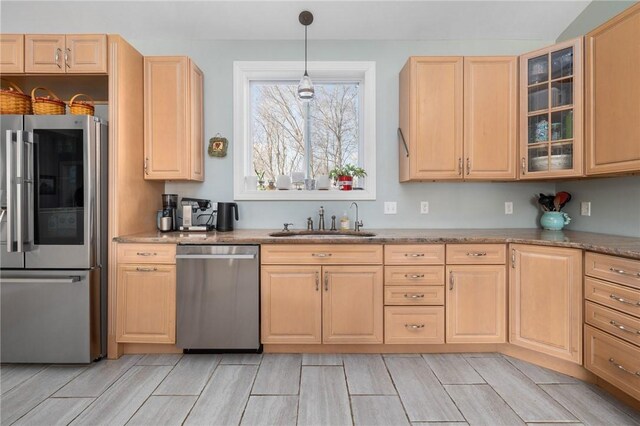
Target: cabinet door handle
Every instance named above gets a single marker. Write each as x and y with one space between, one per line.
414 276
477 253
320 254
57 57
146 169
624 328
468 166
513 258
460 166
67 54
621 367
146 269
414 326
623 300
414 255
623 272
451 280
146 253
524 166
317 281
326 281
414 296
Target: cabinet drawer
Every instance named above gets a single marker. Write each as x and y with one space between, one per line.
414 295
147 253
410 325
476 254
615 361
414 275
414 254
611 268
624 326
615 296
321 254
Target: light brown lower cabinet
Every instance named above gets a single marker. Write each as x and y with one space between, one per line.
328 304
146 303
476 304
413 324
545 295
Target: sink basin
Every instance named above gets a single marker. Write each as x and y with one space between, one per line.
322 234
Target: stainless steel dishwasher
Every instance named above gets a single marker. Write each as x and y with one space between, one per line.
218 293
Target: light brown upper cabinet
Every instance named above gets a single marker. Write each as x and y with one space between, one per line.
11 53
173 119
545 294
612 93
551 114
490 117
458 118
431 97
70 54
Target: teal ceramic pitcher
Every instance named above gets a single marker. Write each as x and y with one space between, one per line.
554 221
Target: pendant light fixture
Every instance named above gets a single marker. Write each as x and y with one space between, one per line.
305 87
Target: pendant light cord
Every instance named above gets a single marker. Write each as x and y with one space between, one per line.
305 50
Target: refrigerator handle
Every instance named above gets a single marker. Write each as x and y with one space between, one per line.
10 181
20 183
98 172
32 139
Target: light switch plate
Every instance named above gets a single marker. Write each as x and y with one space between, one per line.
390 207
585 208
508 207
424 207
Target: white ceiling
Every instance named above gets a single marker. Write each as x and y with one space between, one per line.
278 20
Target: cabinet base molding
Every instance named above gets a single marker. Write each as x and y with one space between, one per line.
149 348
618 394
547 361
382 349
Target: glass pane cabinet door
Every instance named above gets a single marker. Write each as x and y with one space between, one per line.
551 111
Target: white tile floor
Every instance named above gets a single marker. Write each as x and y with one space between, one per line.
288 389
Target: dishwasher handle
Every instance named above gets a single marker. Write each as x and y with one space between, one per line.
216 256
29 280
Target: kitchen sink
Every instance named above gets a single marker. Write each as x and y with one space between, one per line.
322 234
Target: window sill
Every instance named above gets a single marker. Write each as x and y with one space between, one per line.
303 195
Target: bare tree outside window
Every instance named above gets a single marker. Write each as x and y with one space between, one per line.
278 120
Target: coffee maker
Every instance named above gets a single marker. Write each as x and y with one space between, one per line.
190 206
170 209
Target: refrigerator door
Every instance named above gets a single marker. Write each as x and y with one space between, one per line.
11 124
50 316
65 213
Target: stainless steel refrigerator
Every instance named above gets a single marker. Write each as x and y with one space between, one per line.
53 239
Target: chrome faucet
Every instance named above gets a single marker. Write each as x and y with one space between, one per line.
358 223
286 227
309 224
321 220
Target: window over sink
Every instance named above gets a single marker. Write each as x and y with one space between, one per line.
277 134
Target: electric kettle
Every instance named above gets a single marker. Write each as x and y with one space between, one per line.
224 217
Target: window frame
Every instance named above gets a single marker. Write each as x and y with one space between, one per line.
246 71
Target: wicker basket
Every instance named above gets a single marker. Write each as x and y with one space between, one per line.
82 107
13 100
50 105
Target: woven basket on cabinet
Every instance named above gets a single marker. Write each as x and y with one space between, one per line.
81 107
50 105
13 100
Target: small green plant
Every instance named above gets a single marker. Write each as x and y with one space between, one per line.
347 170
260 174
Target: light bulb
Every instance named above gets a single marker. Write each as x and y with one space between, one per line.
305 88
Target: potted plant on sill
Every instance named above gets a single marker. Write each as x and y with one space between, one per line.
343 175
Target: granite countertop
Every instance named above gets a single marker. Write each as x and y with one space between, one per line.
601 243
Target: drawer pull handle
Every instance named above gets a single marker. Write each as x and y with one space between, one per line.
321 254
623 272
624 328
317 281
477 253
621 367
414 296
146 253
146 269
623 300
414 326
414 255
414 276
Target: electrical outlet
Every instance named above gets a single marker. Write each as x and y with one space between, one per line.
390 207
424 207
508 207
585 208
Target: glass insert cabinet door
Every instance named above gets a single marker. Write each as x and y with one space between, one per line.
551 111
